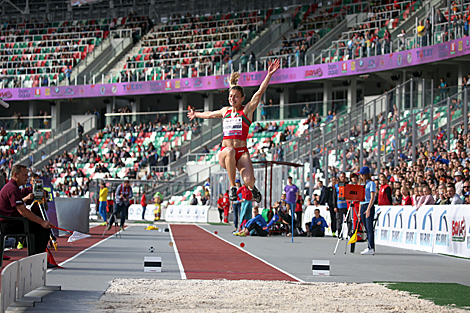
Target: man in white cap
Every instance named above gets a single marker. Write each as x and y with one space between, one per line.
458 183
122 197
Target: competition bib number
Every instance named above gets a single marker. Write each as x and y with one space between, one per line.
233 126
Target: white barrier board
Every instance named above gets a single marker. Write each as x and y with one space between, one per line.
187 213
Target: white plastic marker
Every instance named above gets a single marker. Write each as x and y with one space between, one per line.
153 264
321 267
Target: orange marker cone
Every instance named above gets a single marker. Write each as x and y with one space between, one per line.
50 258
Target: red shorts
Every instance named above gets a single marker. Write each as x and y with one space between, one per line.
238 152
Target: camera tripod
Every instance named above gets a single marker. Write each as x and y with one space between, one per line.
349 221
42 209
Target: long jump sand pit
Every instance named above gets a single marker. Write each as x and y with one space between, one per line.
147 295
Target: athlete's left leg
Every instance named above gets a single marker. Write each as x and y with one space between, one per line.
245 167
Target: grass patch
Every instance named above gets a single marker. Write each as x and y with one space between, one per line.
444 294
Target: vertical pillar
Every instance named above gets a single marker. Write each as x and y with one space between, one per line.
284 99
32 112
135 109
420 93
182 104
465 112
55 113
327 85
352 95
208 105
460 77
448 123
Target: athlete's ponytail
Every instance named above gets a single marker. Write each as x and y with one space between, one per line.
233 81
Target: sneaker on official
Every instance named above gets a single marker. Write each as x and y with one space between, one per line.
256 194
366 249
233 194
368 252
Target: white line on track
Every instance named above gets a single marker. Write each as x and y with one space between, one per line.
178 260
81 252
256 257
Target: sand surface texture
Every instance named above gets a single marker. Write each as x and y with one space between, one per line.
145 295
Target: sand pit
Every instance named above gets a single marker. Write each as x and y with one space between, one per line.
145 295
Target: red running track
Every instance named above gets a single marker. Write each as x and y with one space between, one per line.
204 256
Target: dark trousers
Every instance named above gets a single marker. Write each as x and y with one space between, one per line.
221 214
298 219
339 220
143 212
259 231
41 235
316 231
236 212
119 208
333 219
368 224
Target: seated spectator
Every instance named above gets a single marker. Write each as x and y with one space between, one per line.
256 226
427 198
452 196
317 226
193 200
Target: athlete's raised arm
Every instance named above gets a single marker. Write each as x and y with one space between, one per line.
206 115
253 104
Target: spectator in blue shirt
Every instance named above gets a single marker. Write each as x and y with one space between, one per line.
329 117
318 225
257 224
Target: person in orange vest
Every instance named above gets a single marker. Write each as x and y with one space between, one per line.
385 191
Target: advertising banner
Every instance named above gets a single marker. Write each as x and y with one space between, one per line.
187 213
135 212
391 61
432 228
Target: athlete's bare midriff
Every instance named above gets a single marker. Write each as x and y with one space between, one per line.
233 143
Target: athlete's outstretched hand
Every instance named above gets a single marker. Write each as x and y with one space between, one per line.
274 66
191 113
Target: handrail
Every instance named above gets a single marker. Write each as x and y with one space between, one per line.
112 54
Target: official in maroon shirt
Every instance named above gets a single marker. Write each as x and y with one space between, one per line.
12 205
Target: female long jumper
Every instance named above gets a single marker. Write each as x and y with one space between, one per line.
236 124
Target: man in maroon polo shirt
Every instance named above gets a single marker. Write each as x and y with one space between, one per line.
12 205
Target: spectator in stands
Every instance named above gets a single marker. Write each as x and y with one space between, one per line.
459 183
323 192
79 132
385 191
12 205
193 200
122 197
205 150
256 226
244 62
317 226
452 196
443 88
427 198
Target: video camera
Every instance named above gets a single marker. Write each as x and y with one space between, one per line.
38 188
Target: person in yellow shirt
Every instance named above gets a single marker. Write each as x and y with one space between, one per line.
103 202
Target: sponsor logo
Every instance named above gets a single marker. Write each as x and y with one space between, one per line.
468 42
22 93
252 77
399 59
167 85
92 88
443 51
396 236
452 48
390 59
458 230
177 84
460 45
382 62
171 211
409 58
198 82
361 63
114 89
424 53
208 82
195 211
6 95
37 92
47 91
332 69
226 82
442 240
353 65
186 84
425 239
187 211
371 64
344 67
132 87
384 233
82 90
410 237
57 89
155 86
68 91
102 89
281 77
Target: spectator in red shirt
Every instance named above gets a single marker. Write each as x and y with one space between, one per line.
246 206
143 203
406 199
222 205
298 211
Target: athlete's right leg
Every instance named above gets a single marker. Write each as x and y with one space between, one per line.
227 161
